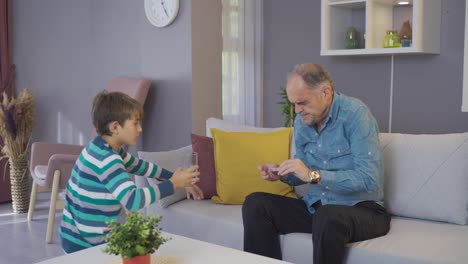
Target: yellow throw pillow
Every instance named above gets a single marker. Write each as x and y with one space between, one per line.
237 156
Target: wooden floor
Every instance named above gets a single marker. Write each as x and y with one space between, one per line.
23 242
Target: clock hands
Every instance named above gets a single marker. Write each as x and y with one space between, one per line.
164 8
161 12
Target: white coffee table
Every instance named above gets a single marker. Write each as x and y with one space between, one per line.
183 249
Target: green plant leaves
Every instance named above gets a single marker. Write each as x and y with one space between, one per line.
286 108
136 237
140 250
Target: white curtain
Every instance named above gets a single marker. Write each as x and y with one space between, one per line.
243 61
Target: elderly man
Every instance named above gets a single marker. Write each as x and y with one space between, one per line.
338 153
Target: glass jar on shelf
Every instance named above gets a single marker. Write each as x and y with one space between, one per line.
351 41
391 39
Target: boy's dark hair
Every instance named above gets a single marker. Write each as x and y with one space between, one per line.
113 106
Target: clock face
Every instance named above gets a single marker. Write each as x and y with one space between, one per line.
161 12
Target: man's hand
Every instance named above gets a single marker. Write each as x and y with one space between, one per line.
295 167
195 192
267 173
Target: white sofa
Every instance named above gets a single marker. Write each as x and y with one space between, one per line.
426 189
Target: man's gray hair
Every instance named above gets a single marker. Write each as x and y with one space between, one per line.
312 74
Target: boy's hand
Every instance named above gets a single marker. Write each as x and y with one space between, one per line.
269 172
195 192
185 177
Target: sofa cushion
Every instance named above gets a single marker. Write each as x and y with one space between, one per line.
203 220
414 241
205 149
169 160
409 240
237 156
233 127
220 124
426 176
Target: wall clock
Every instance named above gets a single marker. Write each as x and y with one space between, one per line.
161 13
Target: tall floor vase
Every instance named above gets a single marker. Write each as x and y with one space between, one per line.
19 185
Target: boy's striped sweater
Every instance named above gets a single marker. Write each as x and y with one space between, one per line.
99 187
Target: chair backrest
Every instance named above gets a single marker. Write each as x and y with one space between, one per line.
42 152
133 87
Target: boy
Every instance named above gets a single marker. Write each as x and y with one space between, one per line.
100 185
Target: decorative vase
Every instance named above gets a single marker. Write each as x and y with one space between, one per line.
146 259
19 185
392 40
351 41
406 34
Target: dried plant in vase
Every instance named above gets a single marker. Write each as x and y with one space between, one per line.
17 117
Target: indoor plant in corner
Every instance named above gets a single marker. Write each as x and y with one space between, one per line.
135 239
16 124
286 108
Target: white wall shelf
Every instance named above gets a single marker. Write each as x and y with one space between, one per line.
348 4
372 19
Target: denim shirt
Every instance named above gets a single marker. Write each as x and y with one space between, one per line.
347 153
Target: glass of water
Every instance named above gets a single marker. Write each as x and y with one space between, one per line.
191 160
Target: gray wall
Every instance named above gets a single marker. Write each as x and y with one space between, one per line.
427 88
68 50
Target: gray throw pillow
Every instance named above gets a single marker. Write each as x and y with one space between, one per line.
426 176
169 160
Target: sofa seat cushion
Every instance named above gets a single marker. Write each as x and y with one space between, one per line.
409 240
203 220
415 241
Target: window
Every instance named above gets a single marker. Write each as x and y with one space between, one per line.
242 61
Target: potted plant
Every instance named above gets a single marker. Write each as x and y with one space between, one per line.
16 124
286 108
135 239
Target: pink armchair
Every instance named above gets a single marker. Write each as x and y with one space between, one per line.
51 164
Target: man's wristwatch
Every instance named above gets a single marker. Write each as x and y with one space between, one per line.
314 176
